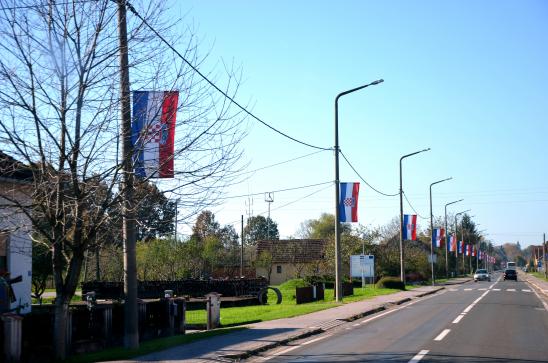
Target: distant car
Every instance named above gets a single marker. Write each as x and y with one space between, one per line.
481 275
510 275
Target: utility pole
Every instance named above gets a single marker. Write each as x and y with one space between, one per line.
131 336
544 255
269 198
432 229
242 248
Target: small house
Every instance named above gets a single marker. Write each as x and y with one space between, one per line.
15 230
282 260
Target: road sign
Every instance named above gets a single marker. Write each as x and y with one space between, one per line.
362 265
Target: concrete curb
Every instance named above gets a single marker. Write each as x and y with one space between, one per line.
309 332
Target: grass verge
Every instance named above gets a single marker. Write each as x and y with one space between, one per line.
288 308
150 346
539 275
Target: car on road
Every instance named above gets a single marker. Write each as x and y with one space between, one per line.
482 275
510 275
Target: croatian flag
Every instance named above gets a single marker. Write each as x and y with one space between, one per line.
153 133
348 202
460 245
438 237
480 254
452 243
474 251
468 250
409 227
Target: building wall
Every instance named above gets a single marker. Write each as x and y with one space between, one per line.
287 272
19 255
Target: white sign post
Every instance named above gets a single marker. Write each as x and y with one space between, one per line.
362 266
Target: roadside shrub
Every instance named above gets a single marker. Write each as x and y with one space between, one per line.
390 282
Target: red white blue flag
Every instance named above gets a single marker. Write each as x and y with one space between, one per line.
153 133
468 250
460 247
348 202
409 227
438 237
452 243
474 251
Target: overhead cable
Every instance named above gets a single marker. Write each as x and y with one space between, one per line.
366 183
414 210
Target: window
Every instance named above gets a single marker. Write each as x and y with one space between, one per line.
279 269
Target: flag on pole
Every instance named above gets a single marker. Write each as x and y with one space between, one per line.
348 202
438 236
409 227
452 243
468 250
474 251
153 133
460 246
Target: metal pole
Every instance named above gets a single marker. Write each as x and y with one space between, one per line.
446 239
544 255
432 229
131 337
242 248
338 282
402 267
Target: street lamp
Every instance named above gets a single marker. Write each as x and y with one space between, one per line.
446 239
456 236
432 227
402 269
338 285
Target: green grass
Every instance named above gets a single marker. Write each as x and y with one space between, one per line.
149 346
539 275
288 308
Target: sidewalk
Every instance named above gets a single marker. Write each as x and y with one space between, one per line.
269 334
540 285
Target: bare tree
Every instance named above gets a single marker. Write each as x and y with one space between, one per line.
59 114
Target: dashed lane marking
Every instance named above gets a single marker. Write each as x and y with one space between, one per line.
419 356
442 335
510 289
457 319
525 290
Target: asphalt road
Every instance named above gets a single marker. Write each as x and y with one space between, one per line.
498 321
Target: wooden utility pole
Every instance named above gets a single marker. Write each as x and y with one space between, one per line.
131 336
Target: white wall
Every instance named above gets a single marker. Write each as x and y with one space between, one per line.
19 258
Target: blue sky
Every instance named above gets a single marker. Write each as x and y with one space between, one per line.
465 78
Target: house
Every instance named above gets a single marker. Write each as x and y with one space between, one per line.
282 260
15 229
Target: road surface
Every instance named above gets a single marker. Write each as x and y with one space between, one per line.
498 321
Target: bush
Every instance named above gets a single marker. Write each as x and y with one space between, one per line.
328 280
390 282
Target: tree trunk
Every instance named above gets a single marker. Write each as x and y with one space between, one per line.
60 329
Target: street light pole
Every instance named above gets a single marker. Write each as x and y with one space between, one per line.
446 239
338 285
432 228
402 268
456 235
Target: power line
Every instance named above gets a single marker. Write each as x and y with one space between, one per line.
276 191
414 210
277 164
366 183
132 9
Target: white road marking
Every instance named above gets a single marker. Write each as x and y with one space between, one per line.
525 290
468 308
510 289
457 319
315 340
442 335
357 324
482 289
542 301
468 289
419 356
453 289
496 289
